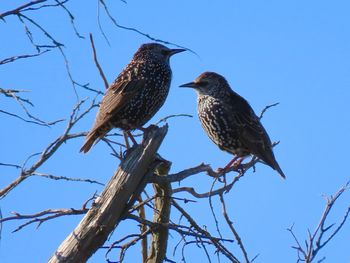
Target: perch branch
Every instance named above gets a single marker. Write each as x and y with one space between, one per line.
110 208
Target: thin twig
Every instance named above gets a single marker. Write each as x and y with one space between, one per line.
50 149
212 207
18 9
215 242
140 32
181 229
165 119
54 177
97 63
14 58
71 17
315 241
266 108
48 214
233 230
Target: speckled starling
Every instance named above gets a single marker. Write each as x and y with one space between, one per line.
229 120
136 95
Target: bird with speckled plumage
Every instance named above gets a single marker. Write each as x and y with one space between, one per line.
229 120
136 95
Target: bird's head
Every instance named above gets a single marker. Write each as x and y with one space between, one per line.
157 51
209 83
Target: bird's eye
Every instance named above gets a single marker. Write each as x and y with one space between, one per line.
203 83
165 52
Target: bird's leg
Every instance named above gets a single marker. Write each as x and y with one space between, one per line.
238 164
224 170
230 163
125 134
131 137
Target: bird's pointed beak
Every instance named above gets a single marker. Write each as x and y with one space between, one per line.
189 85
175 51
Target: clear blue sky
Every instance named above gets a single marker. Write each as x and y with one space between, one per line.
293 52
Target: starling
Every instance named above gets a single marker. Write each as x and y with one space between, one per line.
137 93
229 120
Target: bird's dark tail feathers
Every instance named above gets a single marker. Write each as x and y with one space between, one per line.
271 161
279 170
89 141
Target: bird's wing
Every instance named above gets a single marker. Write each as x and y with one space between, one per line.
254 136
251 133
117 95
251 130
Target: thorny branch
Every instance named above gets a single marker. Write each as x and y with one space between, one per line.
318 239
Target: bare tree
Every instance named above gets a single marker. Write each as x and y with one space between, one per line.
127 196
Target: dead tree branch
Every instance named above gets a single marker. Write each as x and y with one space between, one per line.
101 219
14 58
165 119
143 229
317 240
23 14
97 63
233 230
180 229
216 242
46 215
50 149
23 103
266 108
20 8
159 237
114 21
65 178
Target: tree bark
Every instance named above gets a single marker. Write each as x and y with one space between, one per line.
159 240
110 208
